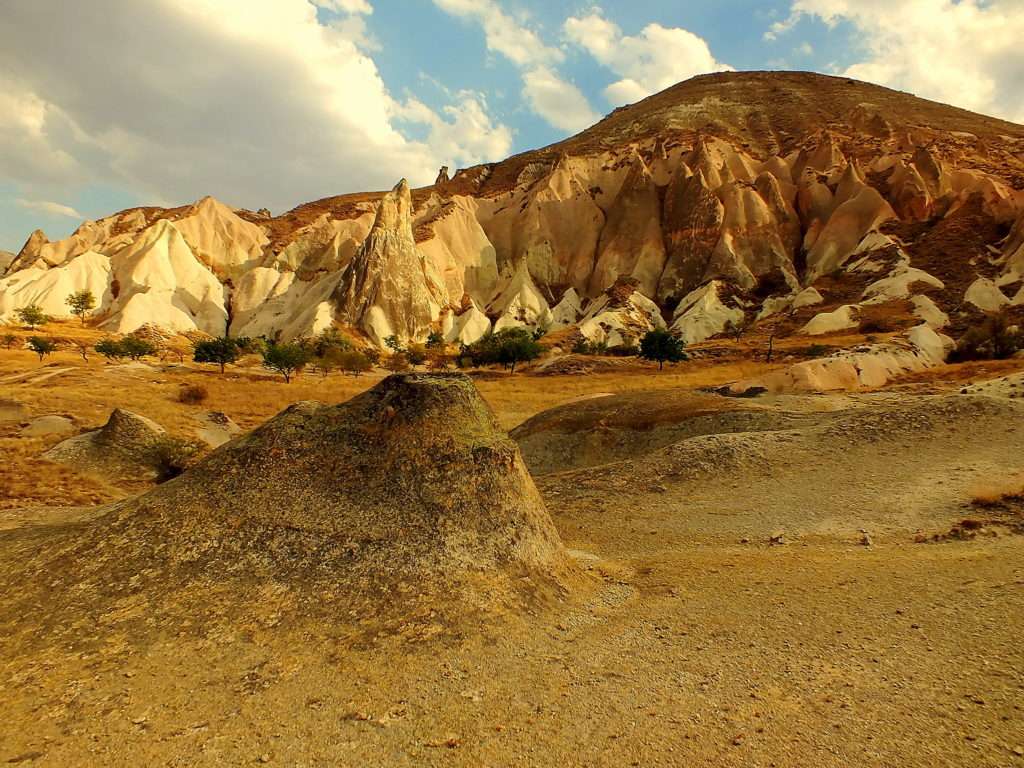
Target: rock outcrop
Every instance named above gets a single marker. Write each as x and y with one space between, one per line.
122 448
389 288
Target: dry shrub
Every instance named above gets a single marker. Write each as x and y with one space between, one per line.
193 394
996 493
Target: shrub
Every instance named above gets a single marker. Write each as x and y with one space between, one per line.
661 346
32 316
41 346
417 354
8 340
171 456
993 339
193 394
397 362
435 340
287 359
221 351
331 338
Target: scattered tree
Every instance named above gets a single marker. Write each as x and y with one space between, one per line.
330 339
82 303
8 340
110 349
286 359
392 343
508 347
137 348
220 351
397 362
662 347
435 340
32 316
41 346
83 347
736 329
354 362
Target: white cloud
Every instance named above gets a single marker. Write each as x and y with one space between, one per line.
467 135
550 96
561 103
650 61
253 101
966 53
504 35
54 209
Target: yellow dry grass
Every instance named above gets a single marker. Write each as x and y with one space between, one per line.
999 491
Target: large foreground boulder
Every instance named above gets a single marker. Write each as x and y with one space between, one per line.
406 500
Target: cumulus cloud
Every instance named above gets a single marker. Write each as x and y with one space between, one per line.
648 62
253 101
345 6
54 209
553 98
964 52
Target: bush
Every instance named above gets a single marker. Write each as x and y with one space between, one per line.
661 346
8 340
417 354
220 351
993 339
397 362
41 346
193 394
171 456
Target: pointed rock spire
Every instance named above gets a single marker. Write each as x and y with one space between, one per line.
386 289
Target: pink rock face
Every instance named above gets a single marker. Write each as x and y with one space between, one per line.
692 223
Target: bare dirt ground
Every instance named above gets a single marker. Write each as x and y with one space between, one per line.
772 583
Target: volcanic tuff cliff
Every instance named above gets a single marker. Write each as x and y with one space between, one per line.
726 198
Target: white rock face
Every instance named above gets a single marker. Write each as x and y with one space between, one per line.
865 368
49 288
227 244
389 288
161 281
621 323
472 325
701 314
520 303
567 311
929 312
985 295
847 316
461 252
898 284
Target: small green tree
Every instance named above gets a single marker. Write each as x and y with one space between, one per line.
330 338
661 346
221 351
137 348
392 343
82 303
110 349
435 340
354 362
8 340
32 316
286 359
41 346
508 347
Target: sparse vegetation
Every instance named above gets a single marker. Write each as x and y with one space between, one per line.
42 346
417 354
110 349
287 359
32 316
81 303
130 346
221 351
193 394
997 493
354 362
995 338
8 340
662 347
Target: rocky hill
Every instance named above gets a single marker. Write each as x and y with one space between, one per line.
724 200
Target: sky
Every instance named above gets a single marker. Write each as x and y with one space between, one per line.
108 104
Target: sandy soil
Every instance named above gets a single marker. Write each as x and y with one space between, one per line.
855 639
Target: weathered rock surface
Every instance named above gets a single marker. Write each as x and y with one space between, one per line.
123 447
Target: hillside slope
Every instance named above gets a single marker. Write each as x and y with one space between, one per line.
724 200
